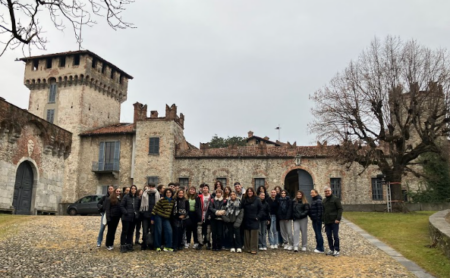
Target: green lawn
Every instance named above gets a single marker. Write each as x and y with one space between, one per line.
8 221
406 233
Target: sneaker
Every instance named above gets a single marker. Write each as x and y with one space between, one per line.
275 247
158 249
232 250
195 245
303 249
98 245
261 249
318 251
239 250
330 253
295 249
186 246
289 248
285 247
199 247
166 249
336 253
265 248
110 248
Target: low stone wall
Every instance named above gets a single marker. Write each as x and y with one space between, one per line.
440 231
410 206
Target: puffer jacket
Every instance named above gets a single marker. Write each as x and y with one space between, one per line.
111 210
215 205
299 210
130 207
284 209
273 204
316 210
100 204
265 210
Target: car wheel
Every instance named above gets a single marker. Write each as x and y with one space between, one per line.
72 212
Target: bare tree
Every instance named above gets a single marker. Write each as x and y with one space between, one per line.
23 22
387 108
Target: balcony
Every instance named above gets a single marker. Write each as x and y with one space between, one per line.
106 167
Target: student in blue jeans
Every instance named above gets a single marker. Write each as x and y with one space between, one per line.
161 219
315 214
102 213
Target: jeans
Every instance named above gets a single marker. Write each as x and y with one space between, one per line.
301 225
127 232
332 231
317 227
286 231
161 224
273 233
102 230
262 240
217 234
112 227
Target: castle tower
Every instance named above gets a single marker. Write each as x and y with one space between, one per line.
77 91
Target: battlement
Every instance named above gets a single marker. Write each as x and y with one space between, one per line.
76 68
140 114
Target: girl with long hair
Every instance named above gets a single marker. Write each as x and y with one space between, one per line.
285 217
130 212
113 214
233 219
161 219
300 211
179 214
191 222
252 214
216 211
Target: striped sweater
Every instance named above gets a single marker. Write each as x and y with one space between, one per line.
163 208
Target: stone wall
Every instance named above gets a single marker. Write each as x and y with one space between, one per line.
27 138
440 231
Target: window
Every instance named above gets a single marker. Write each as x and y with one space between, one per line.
103 67
76 60
86 199
112 73
94 63
121 79
377 189
35 65
184 182
335 184
52 94
62 62
405 195
153 145
153 179
259 182
48 63
109 156
51 115
223 181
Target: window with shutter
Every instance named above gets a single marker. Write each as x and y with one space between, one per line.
153 145
52 94
153 179
184 182
109 156
377 189
335 184
50 115
223 181
259 182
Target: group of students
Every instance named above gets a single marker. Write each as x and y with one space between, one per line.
225 219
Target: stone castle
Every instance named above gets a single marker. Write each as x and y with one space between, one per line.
70 143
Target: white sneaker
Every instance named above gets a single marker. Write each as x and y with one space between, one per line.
289 248
195 245
265 248
318 251
286 247
232 250
110 248
275 247
295 249
239 250
330 253
261 249
303 249
336 253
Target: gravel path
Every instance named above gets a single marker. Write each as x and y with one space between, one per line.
64 246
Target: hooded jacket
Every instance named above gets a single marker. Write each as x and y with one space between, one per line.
284 209
265 210
130 207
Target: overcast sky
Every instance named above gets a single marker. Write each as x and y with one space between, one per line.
234 66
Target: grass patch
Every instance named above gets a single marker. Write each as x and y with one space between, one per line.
406 233
8 223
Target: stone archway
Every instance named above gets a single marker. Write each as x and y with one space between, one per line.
23 189
299 179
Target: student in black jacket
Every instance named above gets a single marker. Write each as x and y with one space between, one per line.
102 213
252 207
273 232
179 217
113 213
148 201
263 221
284 215
216 210
130 210
315 213
300 211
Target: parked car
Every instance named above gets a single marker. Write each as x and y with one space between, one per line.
85 205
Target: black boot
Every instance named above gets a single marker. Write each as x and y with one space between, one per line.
208 246
143 247
123 249
130 247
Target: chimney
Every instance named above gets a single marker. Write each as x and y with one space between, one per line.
153 114
140 112
250 134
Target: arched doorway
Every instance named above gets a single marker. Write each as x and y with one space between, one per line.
23 189
299 179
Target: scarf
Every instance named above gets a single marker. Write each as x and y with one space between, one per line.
145 198
233 207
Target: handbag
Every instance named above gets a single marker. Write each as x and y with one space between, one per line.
104 220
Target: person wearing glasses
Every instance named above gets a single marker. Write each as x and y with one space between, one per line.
332 214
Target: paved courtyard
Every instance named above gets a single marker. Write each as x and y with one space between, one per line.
63 246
